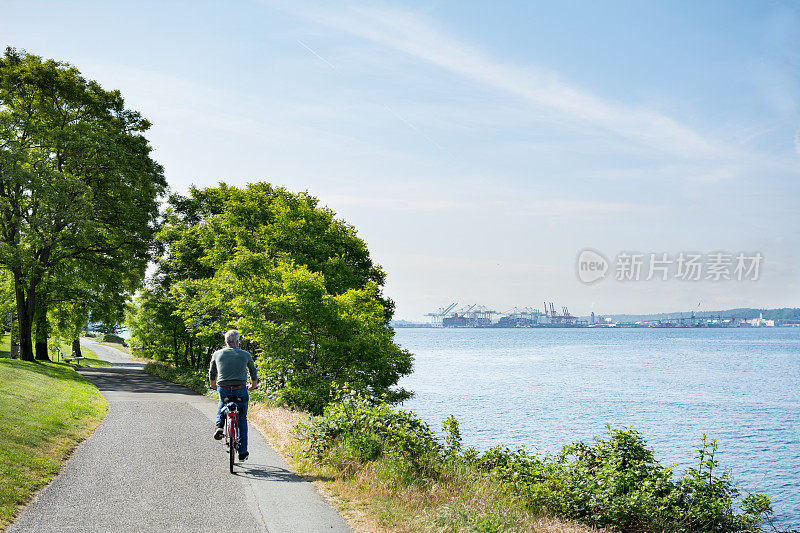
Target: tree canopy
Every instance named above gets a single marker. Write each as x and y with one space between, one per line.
298 282
78 188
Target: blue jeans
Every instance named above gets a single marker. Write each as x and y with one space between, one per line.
243 394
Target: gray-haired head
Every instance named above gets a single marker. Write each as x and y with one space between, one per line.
232 338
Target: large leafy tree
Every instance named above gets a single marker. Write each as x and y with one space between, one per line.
297 281
77 183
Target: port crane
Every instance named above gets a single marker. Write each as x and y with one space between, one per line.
436 318
479 316
555 318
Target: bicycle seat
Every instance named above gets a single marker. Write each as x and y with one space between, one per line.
229 399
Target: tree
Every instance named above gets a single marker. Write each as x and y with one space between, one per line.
76 182
85 293
297 281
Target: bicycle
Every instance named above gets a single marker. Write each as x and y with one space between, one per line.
230 412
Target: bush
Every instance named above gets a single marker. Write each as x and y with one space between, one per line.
355 430
193 379
615 482
110 337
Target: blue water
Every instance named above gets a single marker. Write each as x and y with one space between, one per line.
543 388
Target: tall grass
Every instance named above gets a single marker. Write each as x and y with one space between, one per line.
382 494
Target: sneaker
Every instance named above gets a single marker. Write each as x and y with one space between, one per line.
218 434
244 456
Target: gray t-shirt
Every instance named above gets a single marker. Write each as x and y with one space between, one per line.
229 366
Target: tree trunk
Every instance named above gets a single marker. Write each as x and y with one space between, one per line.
25 326
190 352
24 318
14 336
41 331
175 344
76 347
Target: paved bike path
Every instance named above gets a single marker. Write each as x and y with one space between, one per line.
152 465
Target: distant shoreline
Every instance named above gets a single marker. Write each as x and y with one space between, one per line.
745 317
596 326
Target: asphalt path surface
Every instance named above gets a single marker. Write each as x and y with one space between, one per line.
153 465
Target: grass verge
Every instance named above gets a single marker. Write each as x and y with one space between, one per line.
375 498
118 346
46 409
65 347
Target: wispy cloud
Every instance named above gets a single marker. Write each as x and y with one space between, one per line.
313 52
395 203
411 34
549 208
570 208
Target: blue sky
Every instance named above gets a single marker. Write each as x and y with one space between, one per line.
478 147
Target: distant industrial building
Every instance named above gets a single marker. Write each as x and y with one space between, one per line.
478 316
475 316
761 322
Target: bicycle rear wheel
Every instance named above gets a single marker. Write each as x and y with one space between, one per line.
232 450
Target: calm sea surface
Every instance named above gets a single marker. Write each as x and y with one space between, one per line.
544 388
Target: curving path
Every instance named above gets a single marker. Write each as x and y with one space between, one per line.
152 465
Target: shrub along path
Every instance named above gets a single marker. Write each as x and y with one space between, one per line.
153 465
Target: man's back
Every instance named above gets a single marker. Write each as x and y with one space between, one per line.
230 366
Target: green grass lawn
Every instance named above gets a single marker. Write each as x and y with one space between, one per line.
118 346
66 350
46 409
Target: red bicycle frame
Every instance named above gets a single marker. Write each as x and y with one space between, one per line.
232 427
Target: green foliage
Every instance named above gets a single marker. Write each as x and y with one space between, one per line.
8 302
192 379
316 341
617 483
489 524
155 329
614 482
109 337
452 436
297 282
68 319
78 191
357 429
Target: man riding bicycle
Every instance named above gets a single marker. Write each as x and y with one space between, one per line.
228 374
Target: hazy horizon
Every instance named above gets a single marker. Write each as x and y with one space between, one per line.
613 314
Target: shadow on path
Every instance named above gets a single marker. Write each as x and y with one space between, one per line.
130 378
275 473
